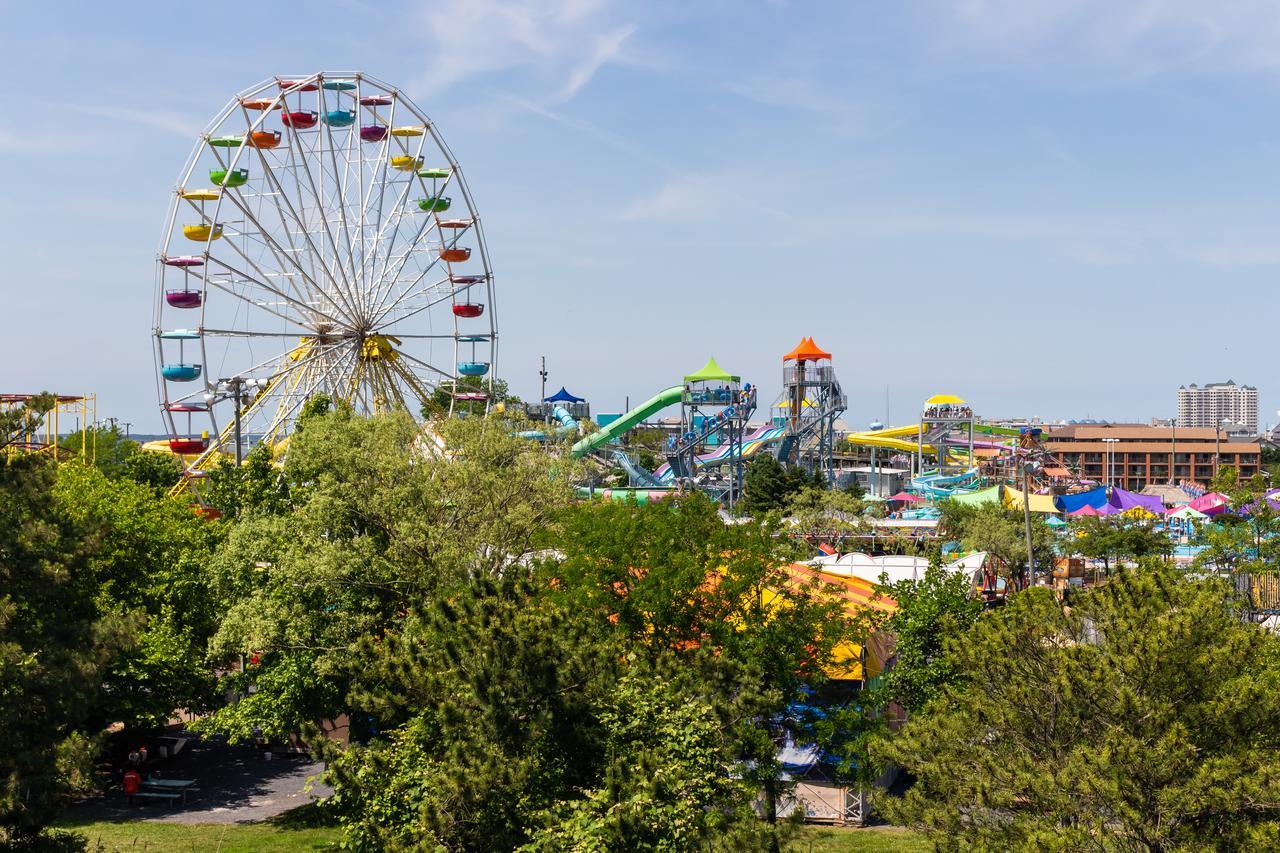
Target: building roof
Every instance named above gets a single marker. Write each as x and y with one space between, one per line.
1168 495
1163 447
1130 432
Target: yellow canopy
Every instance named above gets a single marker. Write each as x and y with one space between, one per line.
944 400
1039 503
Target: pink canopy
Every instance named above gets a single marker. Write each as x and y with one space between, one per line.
906 497
1211 503
1084 510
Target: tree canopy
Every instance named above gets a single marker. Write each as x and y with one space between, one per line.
1140 717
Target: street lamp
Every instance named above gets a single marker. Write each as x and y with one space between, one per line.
875 426
1110 442
1028 468
236 389
1217 445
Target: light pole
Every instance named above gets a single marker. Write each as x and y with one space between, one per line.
235 389
1217 446
1028 468
1110 442
543 373
874 482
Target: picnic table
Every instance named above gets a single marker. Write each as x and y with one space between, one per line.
176 787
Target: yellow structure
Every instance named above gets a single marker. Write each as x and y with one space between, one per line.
44 439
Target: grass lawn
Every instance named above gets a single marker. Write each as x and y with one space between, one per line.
823 839
151 837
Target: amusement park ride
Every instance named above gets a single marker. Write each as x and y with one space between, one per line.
320 240
713 442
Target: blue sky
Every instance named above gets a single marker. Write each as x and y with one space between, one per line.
1062 209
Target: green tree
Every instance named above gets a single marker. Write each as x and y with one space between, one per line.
117 456
831 515
670 781
674 576
150 558
768 486
380 523
55 643
1139 718
442 401
632 684
256 486
932 611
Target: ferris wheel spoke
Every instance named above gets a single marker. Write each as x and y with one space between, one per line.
341 290
421 389
283 256
241 333
387 283
245 278
293 251
422 273
354 162
381 171
446 296
329 228
294 390
280 368
443 374
302 165
397 210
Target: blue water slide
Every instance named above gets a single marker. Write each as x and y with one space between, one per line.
568 426
637 474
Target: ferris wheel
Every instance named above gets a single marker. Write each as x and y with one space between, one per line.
321 240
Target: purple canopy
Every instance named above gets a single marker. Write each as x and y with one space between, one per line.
1123 500
1272 498
1109 509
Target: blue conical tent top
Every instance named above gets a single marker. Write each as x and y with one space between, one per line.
562 396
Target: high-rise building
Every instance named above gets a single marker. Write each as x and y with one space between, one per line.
1219 404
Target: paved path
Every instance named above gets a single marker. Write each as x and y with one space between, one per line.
237 785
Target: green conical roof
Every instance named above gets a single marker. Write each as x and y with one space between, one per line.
711 372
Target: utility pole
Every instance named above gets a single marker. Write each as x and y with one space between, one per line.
1217 448
543 374
233 389
127 424
1027 468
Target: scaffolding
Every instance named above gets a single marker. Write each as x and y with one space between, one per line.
707 455
45 434
942 415
808 407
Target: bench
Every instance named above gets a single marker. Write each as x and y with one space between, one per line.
154 795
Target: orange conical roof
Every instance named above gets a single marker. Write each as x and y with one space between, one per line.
806 350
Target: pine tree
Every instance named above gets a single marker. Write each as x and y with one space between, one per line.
1141 717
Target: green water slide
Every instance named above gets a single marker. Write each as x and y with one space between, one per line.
656 403
988 429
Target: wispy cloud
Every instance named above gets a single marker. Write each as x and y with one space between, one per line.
179 125
1135 38
712 197
561 44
